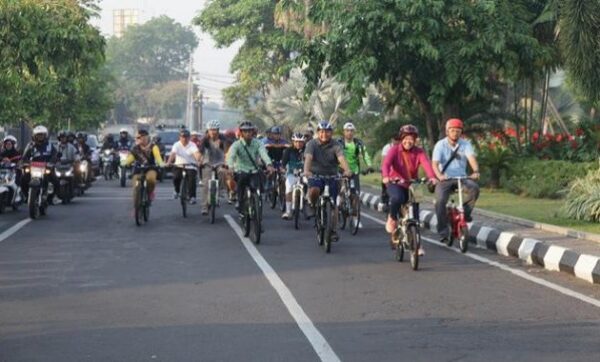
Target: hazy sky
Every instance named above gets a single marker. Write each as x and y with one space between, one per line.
211 63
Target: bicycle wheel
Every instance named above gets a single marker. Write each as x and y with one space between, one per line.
281 195
413 238
296 210
273 197
319 219
183 196
146 206
354 219
399 249
213 204
343 213
328 226
255 223
463 240
138 206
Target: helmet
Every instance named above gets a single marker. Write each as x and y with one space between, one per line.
214 124
195 133
80 135
349 126
142 132
10 138
123 130
246 126
276 129
40 130
324 125
408 129
70 135
61 134
454 123
184 133
109 137
298 137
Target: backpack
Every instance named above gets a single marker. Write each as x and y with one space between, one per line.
357 141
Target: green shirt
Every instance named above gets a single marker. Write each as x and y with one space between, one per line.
237 157
353 155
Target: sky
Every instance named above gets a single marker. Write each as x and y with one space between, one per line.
211 64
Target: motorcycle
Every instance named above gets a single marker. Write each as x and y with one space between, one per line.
123 154
39 189
85 176
108 167
9 190
66 182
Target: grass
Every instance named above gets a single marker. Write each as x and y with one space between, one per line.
541 210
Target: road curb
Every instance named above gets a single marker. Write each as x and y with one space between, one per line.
532 251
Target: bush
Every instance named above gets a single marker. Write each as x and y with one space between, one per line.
583 199
545 178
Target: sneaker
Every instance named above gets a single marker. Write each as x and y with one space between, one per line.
285 216
444 240
200 183
360 226
192 201
175 195
390 225
205 210
421 251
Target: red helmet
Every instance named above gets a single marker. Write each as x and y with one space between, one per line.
454 123
408 129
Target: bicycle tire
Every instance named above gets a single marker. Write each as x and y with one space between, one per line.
281 193
320 229
400 253
296 210
255 222
138 208
463 240
328 227
183 196
212 204
412 235
343 213
354 203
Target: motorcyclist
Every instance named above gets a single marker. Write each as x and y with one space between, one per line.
109 144
67 153
39 150
85 154
9 153
124 143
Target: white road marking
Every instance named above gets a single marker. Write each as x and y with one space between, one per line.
519 273
316 339
13 229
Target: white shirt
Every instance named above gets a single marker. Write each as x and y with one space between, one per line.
184 154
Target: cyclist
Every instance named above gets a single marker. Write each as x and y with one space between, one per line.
354 149
309 133
385 198
242 159
450 157
146 154
212 148
184 152
324 156
402 163
293 159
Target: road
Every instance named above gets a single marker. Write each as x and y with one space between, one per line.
84 283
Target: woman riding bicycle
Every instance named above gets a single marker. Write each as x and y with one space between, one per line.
145 153
402 163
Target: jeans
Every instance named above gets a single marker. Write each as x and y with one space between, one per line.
244 180
398 197
443 190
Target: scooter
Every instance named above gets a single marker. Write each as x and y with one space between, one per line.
10 193
108 159
66 182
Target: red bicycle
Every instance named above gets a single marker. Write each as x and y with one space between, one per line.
459 229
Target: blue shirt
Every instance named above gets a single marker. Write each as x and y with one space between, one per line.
443 151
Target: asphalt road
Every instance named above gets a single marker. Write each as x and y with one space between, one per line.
85 283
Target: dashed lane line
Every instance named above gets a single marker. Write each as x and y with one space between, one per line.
13 229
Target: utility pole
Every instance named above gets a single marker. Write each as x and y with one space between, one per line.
189 110
200 106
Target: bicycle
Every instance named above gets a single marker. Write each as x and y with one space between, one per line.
213 190
141 202
459 229
183 195
298 198
407 235
252 211
349 208
324 214
277 191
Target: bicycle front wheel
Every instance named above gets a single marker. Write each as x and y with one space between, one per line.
355 219
255 222
138 206
328 226
463 240
414 240
296 210
184 197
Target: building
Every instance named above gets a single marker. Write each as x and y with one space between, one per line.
122 18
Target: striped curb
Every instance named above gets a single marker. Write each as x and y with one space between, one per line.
531 251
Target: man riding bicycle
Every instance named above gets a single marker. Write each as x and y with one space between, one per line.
354 150
213 149
293 160
243 159
450 157
144 153
323 157
184 153
401 165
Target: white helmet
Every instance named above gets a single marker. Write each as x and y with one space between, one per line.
214 124
10 138
40 130
195 133
123 130
349 126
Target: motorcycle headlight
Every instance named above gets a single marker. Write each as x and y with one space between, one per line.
37 173
83 167
69 173
57 172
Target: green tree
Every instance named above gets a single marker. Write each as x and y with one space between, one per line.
48 53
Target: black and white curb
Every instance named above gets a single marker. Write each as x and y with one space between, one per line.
532 251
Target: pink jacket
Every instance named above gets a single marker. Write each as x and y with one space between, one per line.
402 164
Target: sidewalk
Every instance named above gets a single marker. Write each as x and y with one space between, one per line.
558 250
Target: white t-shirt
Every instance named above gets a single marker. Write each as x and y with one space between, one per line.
184 154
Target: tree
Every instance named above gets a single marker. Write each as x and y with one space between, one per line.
442 55
48 52
148 58
264 56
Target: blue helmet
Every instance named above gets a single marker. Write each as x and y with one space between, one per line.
276 129
324 125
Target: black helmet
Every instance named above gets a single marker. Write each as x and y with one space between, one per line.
246 126
62 134
184 132
142 132
109 137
